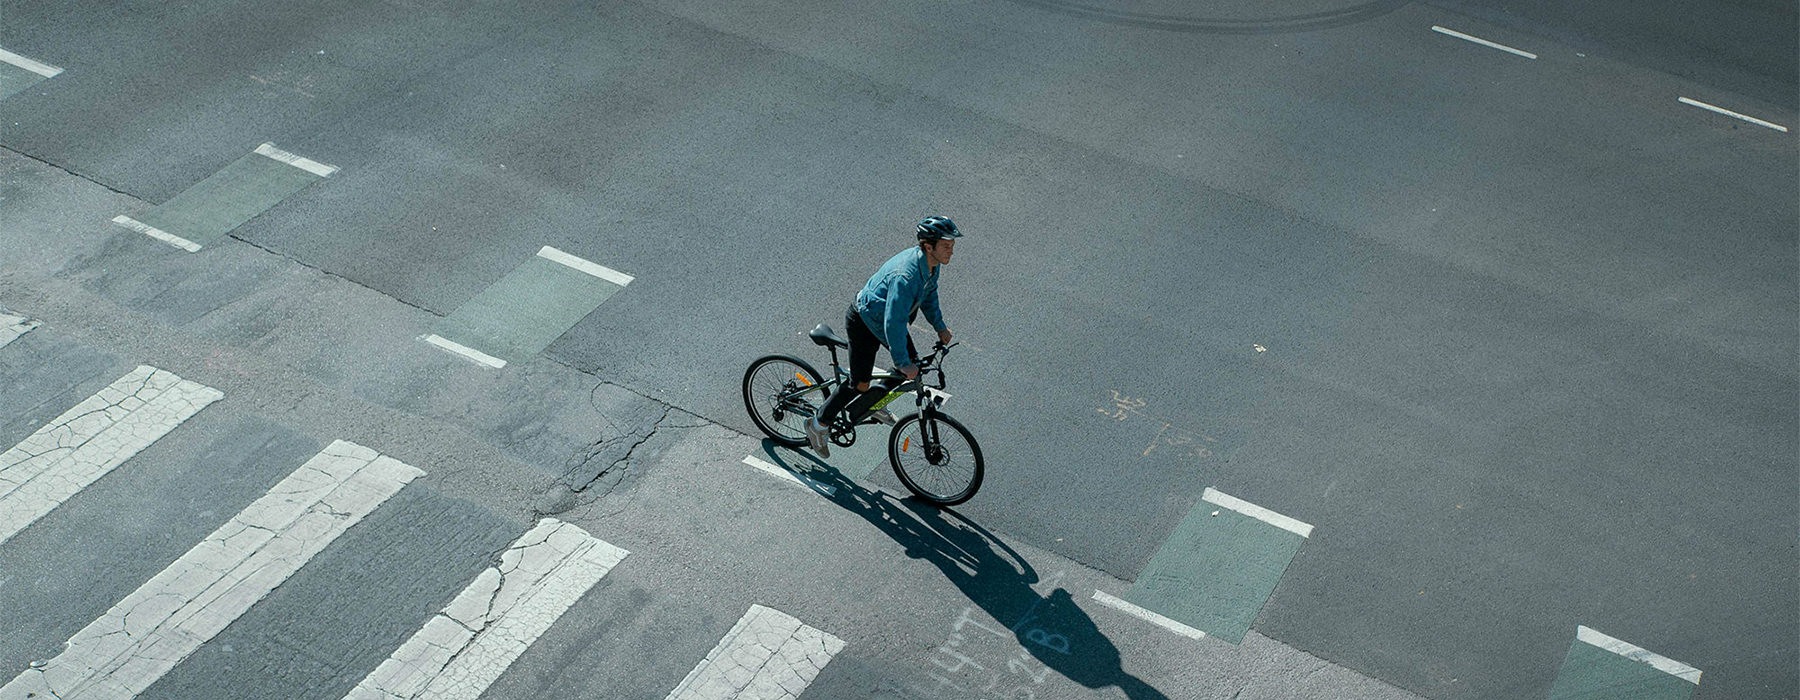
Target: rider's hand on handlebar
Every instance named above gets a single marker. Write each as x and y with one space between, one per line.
943 337
911 372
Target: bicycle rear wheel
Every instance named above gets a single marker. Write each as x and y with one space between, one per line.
781 392
936 458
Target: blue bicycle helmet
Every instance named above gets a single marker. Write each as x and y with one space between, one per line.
938 228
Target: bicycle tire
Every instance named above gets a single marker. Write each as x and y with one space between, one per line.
764 382
949 478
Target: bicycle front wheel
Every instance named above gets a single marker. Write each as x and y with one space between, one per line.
936 458
781 393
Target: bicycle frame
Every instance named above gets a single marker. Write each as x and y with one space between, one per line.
924 400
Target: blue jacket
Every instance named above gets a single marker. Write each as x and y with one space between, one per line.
905 284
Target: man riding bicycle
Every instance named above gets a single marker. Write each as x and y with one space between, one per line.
905 285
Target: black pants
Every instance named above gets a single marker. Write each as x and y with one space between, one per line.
863 346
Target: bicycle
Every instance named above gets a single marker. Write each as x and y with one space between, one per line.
933 455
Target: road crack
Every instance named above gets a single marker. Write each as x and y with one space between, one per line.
599 469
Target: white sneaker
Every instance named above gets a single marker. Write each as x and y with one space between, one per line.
815 437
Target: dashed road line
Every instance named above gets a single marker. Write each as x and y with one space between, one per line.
1129 608
1483 42
787 475
307 164
1217 497
1638 654
768 655
90 440
38 67
12 326
464 351
157 233
595 269
164 621
1601 667
1734 115
465 648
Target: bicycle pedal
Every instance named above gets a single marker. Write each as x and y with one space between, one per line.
883 416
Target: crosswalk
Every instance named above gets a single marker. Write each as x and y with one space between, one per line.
168 618
463 649
458 652
767 654
91 439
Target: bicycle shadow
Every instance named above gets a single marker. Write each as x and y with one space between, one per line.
1055 631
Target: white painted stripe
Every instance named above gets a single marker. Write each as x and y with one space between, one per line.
43 69
1153 618
600 271
1214 496
768 655
1639 654
90 440
800 479
184 606
468 353
157 233
12 326
1484 42
465 648
307 164
1735 115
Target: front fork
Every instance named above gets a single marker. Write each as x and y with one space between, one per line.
928 435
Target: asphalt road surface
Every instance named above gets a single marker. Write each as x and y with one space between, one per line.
1473 289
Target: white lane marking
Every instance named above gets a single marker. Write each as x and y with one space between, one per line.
1639 654
465 648
600 271
768 655
1484 42
1734 115
784 474
157 233
168 618
12 326
90 440
307 164
1214 496
468 353
1151 617
40 68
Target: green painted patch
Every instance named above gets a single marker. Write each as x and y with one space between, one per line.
1214 573
1592 673
520 315
213 207
14 80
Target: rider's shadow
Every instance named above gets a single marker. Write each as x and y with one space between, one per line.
1051 627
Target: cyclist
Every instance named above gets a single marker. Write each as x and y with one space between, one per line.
905 285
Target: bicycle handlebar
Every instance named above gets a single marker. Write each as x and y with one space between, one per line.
929 363
937 350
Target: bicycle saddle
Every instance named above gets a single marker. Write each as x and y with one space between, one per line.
823 335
